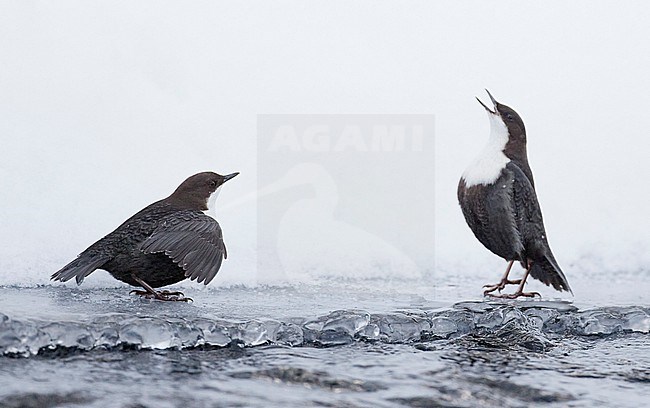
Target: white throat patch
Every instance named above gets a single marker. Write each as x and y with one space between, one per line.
212 203
487 166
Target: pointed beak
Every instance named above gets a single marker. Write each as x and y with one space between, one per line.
494 102
229 176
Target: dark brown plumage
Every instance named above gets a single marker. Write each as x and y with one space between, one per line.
164 243
498 199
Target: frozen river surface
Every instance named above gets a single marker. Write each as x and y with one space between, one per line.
330 345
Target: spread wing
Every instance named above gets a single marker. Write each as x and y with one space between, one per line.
80 267
193 240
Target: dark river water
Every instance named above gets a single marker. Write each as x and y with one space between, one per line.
326 345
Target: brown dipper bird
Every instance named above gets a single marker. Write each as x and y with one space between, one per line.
164 243
498 199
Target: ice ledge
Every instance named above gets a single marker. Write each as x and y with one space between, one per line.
534 325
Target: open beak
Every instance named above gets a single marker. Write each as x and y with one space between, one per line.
494 102
229 176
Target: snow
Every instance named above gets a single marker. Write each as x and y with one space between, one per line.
105 108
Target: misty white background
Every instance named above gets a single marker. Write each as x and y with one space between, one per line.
107 106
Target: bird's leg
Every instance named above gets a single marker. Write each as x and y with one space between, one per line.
520 290
151 293
504 281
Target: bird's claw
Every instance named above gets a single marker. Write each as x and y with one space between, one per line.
164 295
491 288
500 286
513 295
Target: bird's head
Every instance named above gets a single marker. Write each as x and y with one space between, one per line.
507 125
200 190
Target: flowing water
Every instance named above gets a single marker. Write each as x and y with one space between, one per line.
333 344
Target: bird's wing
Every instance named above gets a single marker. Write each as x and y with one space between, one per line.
530 224
193 240
524 200
80 267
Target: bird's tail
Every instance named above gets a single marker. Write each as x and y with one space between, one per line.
548 271
81 267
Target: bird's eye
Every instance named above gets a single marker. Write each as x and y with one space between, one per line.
509 117
213 183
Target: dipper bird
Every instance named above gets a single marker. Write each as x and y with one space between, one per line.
497 196
164 243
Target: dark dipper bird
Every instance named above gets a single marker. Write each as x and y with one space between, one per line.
164 243
498 199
